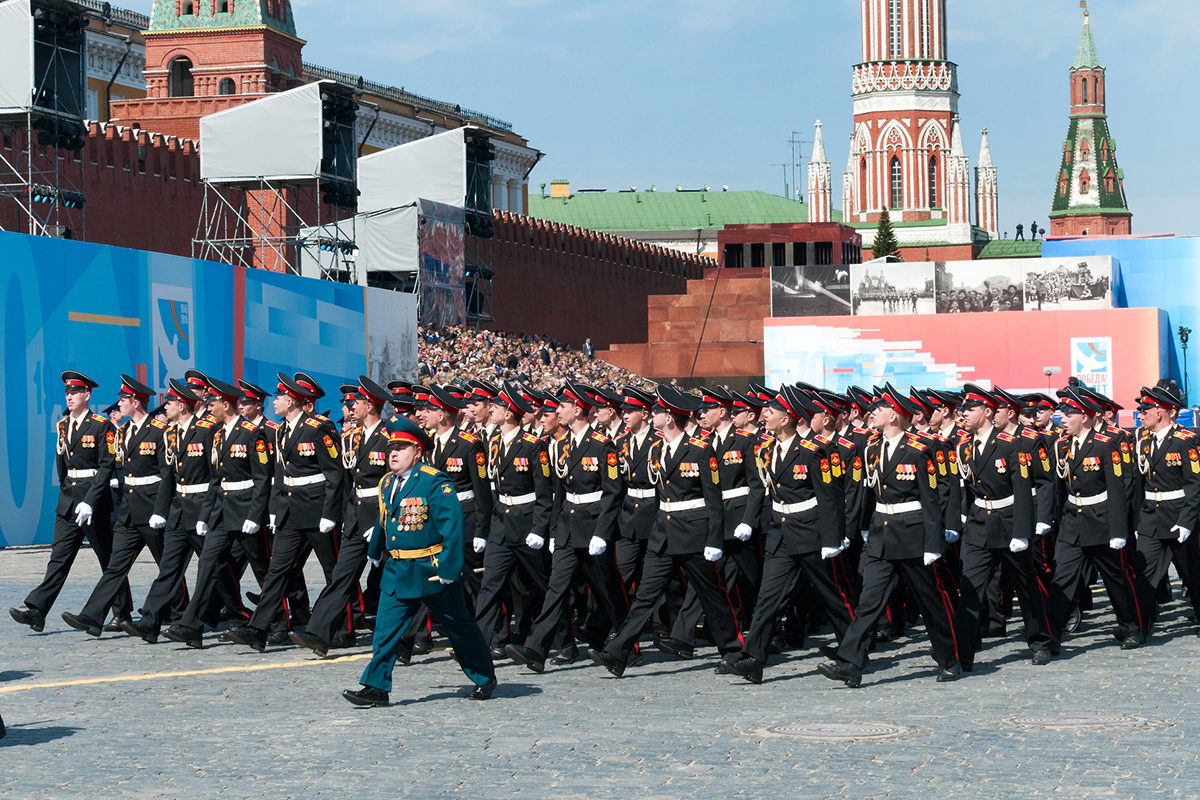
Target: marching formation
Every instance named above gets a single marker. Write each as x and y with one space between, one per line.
522 522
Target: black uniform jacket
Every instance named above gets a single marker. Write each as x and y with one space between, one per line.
141 457
523 493
309 474
240 476
93 448
190 457
801 477
999 477
690 475
637 513
464 459
1174 467
581 472
1096 469
910 476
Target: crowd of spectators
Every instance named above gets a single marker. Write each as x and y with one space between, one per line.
455 354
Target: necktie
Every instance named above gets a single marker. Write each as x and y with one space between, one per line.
437 451
71 430
887 453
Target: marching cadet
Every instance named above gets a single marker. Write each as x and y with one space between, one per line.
640 504
906 537
364 454
522 499
306 505
85 454
1168 462
745 414
806 530
478 409
418 539
1092 519
608 412
742 500
240 481
687 533
588 491
187 453
998 505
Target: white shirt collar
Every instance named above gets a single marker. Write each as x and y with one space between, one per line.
578 437
230 425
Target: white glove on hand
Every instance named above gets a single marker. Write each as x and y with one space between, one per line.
443 581
374 562
845 545
370 531
597 546
931 557
1041 529
713 553
83 514
250 526
1116 543
201 527
271 521
326 525
865 534
534 542
742 532
1184 533
478 544
952 536
830 552
157 522
551 546
113 483
1017 545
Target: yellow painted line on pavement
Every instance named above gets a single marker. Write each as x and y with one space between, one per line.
182 674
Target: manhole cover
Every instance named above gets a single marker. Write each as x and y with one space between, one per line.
839 731
1081 719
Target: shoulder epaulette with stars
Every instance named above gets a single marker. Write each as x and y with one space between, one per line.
159 425
600 437
272 425
428 470
844 442
99 418
313 422
809 444
698 442
467 437
1005 437
1029 434
249 426
529 437
203 423
824 439
1184 434
1099 437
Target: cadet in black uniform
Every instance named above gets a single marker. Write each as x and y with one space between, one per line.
640 504
687 534
86 452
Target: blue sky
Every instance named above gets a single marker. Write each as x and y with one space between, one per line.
622 93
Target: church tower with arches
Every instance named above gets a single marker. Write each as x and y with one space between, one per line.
906 150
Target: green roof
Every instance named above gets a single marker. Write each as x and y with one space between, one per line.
1086 56
1012 248
667 211
168 16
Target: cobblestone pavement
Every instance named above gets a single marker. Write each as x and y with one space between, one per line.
114 717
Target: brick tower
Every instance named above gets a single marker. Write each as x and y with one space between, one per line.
1089 196
204 56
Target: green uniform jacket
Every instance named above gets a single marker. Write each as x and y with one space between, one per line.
424 512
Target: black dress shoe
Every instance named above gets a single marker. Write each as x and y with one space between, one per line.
483 692
244 634
144 632
1074 620
115 625
1132 642
421 647
635 659
29 616
527 656
830 651
188 636
568 655
367 696
405 653
310 641
499 654
841 671
747 667
680 649
950 673
81 623
613 664
253 597
1055 649
1041 657
279 637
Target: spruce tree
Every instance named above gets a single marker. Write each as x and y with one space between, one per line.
885 243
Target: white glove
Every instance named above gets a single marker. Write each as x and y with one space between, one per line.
478 544
865 534
326 525
845 545
597 546
1116 543
271 521
534 542
713 553
374 562
83 514
551 546
113 483
1017 545
1041 529
201 527
443 581
964 518
367 535
1184 533
829 552
157 522
931 557
250 526
952 536
742 532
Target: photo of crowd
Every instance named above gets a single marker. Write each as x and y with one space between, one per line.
1069 283
978 286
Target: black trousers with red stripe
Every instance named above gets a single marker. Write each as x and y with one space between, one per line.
780 572
1116 568
657 571
978 565
934 599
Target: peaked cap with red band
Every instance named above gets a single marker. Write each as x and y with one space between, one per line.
77 380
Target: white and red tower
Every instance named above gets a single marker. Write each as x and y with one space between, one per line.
902 154
986 206
820 182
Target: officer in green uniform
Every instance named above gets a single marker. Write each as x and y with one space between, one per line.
419 540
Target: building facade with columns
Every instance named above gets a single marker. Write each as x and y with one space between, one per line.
906 149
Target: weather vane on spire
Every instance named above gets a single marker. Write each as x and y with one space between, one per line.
1086 13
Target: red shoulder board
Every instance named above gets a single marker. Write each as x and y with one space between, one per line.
867 431
99 418
529 437
699 442
659 434
321 417
272 425
809 444
247 425
1029 434
1061 439
823 439
599 437
845 442
1006 437
313 422
467 437
1184 434
159 425
744 433
203 423
1102 438
963 436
